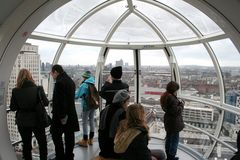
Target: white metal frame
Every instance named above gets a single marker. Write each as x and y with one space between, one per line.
34 12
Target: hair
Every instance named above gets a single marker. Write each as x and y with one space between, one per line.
23 75
57 68
170 89
135 116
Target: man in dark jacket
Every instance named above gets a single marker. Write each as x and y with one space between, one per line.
64 120
113 84
110 118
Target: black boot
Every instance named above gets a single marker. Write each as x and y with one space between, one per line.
170 157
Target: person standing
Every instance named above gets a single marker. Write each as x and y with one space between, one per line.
24 100
113 84
64 116
87 111
173 120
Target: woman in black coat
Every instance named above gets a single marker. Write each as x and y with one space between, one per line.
24 101
132 137
173 120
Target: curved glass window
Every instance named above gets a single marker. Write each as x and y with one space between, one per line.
155 74
79 55
134 29
228 58
170 25
198 18
62 20
102 22
198 75
124 58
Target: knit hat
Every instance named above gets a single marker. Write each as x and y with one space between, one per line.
121 96
116 72
86 74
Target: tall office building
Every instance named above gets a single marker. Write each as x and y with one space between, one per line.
231 98
30 59
119 63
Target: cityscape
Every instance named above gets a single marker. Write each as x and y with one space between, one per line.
198 81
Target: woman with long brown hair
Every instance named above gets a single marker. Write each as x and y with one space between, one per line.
173 120
132 137
24 101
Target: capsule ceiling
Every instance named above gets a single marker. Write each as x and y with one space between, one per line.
128 21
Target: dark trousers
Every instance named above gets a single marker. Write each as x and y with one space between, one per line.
26 135
57 131
106 146
158 154
238 141
171 145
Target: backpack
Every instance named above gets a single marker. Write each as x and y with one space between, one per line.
93 99
114 121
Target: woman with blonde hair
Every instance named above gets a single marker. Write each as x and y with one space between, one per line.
132 137
25 100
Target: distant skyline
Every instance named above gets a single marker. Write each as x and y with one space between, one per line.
186 55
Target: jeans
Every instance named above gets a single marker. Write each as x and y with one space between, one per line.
171 145
85 115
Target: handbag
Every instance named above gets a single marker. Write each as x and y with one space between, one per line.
44 118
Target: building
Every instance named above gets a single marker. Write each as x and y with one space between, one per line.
29 59
231 98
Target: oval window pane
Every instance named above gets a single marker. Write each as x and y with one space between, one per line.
171 27
63 19
133 29
98 25
202 22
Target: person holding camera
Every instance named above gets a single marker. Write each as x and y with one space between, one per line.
173 120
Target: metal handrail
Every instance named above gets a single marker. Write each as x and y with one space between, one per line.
213 137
